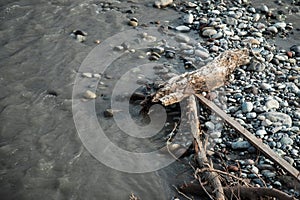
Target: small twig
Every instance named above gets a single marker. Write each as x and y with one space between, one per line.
182 193
225 173
203 188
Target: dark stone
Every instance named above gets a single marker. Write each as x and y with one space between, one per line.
296 49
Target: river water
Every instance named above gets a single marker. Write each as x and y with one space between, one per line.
41 155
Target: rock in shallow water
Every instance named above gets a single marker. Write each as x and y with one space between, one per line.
162 3
188 18
90 95
183 28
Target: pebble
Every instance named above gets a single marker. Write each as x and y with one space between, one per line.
285 140
202 54
247 107
277 184
251 115
133 22
210 125
79 35
162 3
268 174
296 48
261 133
188 18
182 38
209 32
108 113
272 104
170 54
90 95
87 75
240 145
254 169
264 9
183 28
256 65
280 25
265 86
232 168
215 134
273 29
283 118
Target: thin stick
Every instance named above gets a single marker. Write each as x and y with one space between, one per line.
181 193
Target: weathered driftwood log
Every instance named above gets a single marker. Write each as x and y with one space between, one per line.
200 147
207 78
238 192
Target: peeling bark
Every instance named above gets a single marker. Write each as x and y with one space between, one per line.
207 78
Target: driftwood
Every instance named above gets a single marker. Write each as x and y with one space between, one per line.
200 147
238 192
207 78
266 150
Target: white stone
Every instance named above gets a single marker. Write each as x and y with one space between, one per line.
202 54
90 95
162 3
183 28
272 104
188 18
209 32
87 75
182 38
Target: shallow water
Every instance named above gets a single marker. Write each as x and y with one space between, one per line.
41 154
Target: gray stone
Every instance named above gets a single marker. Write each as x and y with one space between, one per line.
289 159
218 35
188 18
285 140
182 38
297 113
261 133
240 145
277 184
251 115
264 9
209 32
215 134
209 125
283 118
268 174
254 169
257 66
162 3
273 29
281 25
202 54
296 49
265 86
247 107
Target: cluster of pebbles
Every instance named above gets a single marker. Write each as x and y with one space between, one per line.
264 96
